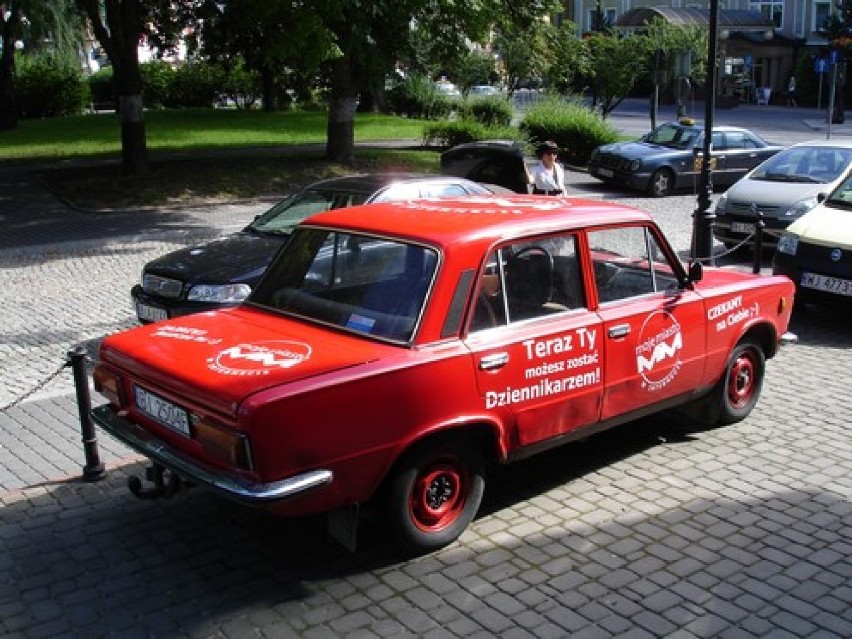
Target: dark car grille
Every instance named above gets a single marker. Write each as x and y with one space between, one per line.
743 210
162 286
818 257
614 162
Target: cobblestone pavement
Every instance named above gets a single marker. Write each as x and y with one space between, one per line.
657 528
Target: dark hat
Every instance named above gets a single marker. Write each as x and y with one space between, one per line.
545 147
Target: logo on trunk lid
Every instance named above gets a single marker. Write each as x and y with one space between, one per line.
259 358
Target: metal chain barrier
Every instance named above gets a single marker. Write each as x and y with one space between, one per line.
36 388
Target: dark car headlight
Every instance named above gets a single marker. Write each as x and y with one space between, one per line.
219 293
634 165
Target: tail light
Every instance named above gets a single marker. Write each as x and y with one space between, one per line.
108 383
224 443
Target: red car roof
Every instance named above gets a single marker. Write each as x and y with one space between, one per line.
445 221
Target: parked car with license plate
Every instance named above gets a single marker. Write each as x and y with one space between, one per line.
780 190
816 250
392 352
665 159
224 271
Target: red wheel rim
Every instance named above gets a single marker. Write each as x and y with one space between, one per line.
741 380
439 495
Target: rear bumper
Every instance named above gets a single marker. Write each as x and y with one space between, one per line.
231 486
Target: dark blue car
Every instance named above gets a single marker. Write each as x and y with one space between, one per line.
665 159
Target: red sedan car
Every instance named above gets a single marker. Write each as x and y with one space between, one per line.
391 353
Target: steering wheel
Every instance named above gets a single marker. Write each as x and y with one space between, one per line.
533 249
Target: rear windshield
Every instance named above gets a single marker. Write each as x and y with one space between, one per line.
365 284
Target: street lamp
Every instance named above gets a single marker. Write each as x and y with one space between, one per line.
703 217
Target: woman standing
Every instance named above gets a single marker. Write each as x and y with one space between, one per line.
548 176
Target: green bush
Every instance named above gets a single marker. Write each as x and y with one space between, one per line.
574 127
417 97
49 86
157 78
456 132
243 85
102 88
195 84
492 110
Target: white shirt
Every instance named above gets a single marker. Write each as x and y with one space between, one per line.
548 180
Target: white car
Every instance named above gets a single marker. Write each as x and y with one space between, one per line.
816 250
781 189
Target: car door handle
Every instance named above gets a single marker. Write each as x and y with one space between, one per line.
495 360
619 330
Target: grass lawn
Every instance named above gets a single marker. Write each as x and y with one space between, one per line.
203 155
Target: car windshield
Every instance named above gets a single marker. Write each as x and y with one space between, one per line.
841 197
284 216
806 164
375 286
671 136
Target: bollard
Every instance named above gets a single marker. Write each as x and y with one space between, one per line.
759 225
94 469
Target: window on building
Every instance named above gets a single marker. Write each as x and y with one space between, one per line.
821 12
772 9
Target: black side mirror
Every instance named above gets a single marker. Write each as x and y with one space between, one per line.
696 272
821 197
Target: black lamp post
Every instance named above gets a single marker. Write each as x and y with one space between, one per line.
702 223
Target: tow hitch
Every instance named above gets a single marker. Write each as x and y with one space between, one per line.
166 483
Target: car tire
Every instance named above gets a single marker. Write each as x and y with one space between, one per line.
662 183
738 390
434 494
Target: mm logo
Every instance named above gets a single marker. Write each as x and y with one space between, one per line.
658 351
259 358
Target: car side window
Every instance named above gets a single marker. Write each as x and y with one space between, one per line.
629 262
719 143
529 279
735 140
442 190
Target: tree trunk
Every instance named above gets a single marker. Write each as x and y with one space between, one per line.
340 143
267 79
120 40
134 148
8 98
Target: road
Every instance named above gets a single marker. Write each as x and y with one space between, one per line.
654 529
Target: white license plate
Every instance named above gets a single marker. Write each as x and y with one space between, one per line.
150 313
742 227
825 283
605 172
162 410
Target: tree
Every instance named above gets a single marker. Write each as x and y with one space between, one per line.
615 64
371 35
32 24
10 22
569 59
119 31
660 35
233 32
119 26
524 52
